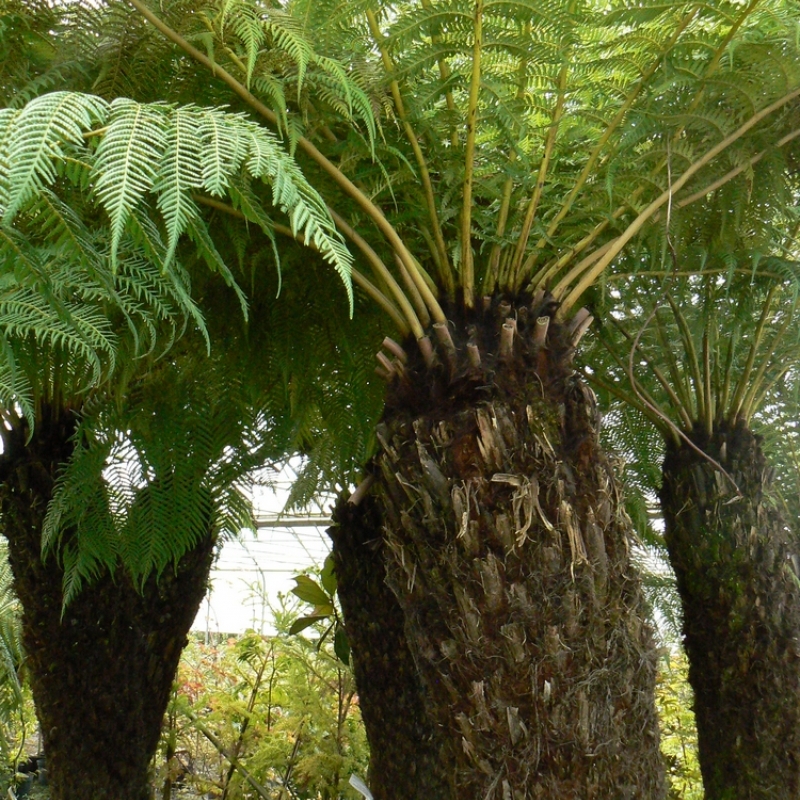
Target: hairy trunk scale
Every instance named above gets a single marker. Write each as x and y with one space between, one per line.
101 675
410 759
741 607
506 545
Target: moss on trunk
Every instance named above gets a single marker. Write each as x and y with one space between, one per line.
741 608
101 674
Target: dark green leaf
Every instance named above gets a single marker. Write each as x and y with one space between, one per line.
309 591
302 623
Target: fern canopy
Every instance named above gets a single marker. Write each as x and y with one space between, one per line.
463 149
131 154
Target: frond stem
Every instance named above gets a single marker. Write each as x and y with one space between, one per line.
375 294
621 209
582 266
344 183
729 176
380 269
614 124
442 261
589 278
413 291
744 377
553 267
369 288
727 376
629 400
663 273
679 383
683 413
765 358
445 73
493 271
708 396
518 274
712 66
691 356
492 275
401 320
467 265
758 400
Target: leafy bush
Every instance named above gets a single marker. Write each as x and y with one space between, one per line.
678 732
264 716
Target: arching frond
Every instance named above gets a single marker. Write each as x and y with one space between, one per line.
35 138
153 150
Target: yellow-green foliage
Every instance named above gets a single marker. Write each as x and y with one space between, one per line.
678 732
300 717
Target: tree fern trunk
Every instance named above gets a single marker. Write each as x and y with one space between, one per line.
507 548
741 610
101 675
409 759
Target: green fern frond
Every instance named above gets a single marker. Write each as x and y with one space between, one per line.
127 160
243 19
207 250
223 152
155 150
279 52
11 656
179 174
34 138
15 387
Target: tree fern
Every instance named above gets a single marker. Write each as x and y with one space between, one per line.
144 495
646 92
67 321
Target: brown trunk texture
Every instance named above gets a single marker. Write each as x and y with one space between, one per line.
741 607
507 548
409 753
101 675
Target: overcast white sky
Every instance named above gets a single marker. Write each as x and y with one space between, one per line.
250 574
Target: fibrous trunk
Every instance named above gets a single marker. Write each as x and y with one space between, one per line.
410 758
731 553
507 549
101 669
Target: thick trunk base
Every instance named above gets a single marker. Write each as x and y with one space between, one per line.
101 675
409 757
507 548
741 608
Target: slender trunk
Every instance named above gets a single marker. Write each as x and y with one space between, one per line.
409 757
741 608
101 674
507 548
